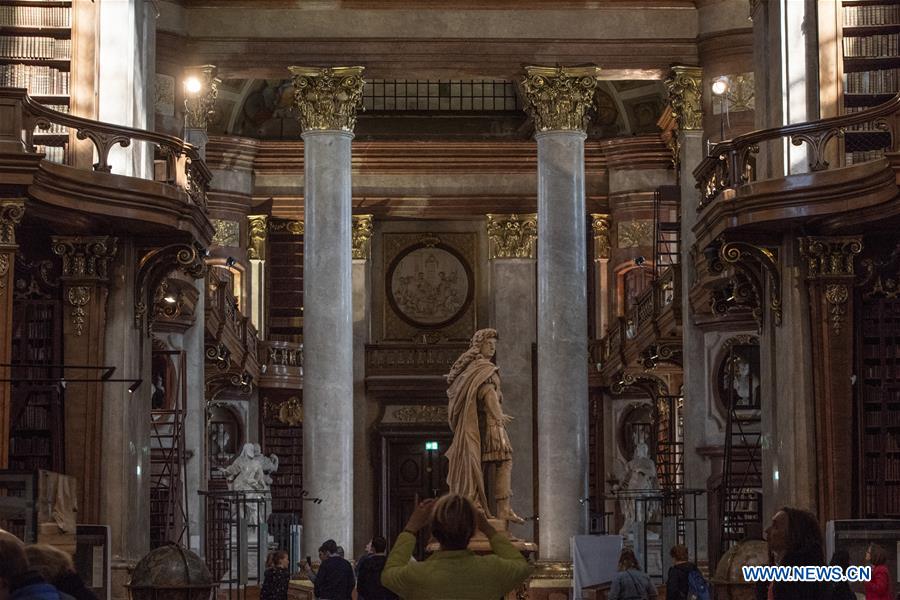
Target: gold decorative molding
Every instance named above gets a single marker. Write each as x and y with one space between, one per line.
552 570
289 412
512 236
431 413
228 233
200 107
362 236
635 234
685 87
837 296
294 227
600 225
327 98
85 258
11 213
79 296
257 232
4 269
828 257
560 98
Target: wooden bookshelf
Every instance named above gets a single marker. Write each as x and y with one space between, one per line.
36 54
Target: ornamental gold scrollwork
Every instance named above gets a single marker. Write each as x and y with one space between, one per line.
739 255
4 269
11 213
512 236
600 225
837 296
685 90
85 257
327 98
560 98
293 227
227 233
257 230
830 256
79 296
200 107
362 236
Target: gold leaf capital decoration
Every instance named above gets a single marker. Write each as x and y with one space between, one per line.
227 233
85 258
512 236
200 107
327 98
560 98
362 237
600 226
828 257
685 87
11 213
257 231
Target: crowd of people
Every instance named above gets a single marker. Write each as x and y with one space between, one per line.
38 572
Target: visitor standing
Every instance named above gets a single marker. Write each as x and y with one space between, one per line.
794 540
879 587
685 582
630 583
368 578
277 576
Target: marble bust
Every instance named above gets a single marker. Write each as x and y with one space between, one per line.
478 423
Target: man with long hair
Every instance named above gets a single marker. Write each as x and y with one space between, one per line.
794 540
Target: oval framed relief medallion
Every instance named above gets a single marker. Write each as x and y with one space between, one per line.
429 285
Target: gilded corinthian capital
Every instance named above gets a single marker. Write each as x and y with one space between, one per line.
560 98
85 259
258 231
685 92
201 91
328 98
512 236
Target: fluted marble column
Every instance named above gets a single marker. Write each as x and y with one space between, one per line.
559 99
327 99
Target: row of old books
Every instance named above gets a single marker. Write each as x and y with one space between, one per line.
35 16
878 418
871 46
885 81
18 46
855 16
39 80
876 442
888 494
29 445
887 469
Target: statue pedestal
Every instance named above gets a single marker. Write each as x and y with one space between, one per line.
480 544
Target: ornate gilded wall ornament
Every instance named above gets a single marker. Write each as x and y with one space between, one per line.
431 413
289 412
512 236
837 296
327 98
79 296
362 237
635 234
740 96
11 213
600 225
685 87
257 232
829 256
200 107
4 269
560 98
293 227
228 233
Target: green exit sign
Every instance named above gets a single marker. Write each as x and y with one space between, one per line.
431 446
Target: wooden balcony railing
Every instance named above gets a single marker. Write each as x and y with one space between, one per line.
232 342
642 324
281 364
864 135
184 168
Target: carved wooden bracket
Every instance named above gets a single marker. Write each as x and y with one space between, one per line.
218 382
651 384
155 266
759 265
661 353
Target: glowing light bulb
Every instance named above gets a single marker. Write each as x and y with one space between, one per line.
719 87
192 85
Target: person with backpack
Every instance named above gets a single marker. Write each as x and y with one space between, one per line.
685 582
630 583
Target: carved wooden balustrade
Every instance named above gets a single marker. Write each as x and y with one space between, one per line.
648 333
731 163
184 168
281 364
232 344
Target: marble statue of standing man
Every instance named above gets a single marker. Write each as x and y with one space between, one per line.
479 427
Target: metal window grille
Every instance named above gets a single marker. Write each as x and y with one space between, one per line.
381 95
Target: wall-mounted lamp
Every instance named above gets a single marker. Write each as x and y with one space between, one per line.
201 87
230 261
720 86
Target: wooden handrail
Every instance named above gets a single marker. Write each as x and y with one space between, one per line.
725 166
185 167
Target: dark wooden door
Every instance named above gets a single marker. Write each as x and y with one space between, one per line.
411 473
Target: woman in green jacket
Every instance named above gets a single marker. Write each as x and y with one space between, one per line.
453 572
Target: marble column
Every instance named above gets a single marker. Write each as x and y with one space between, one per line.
363 474
513 309
558 99
85 281
11 212
684 87
327 100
